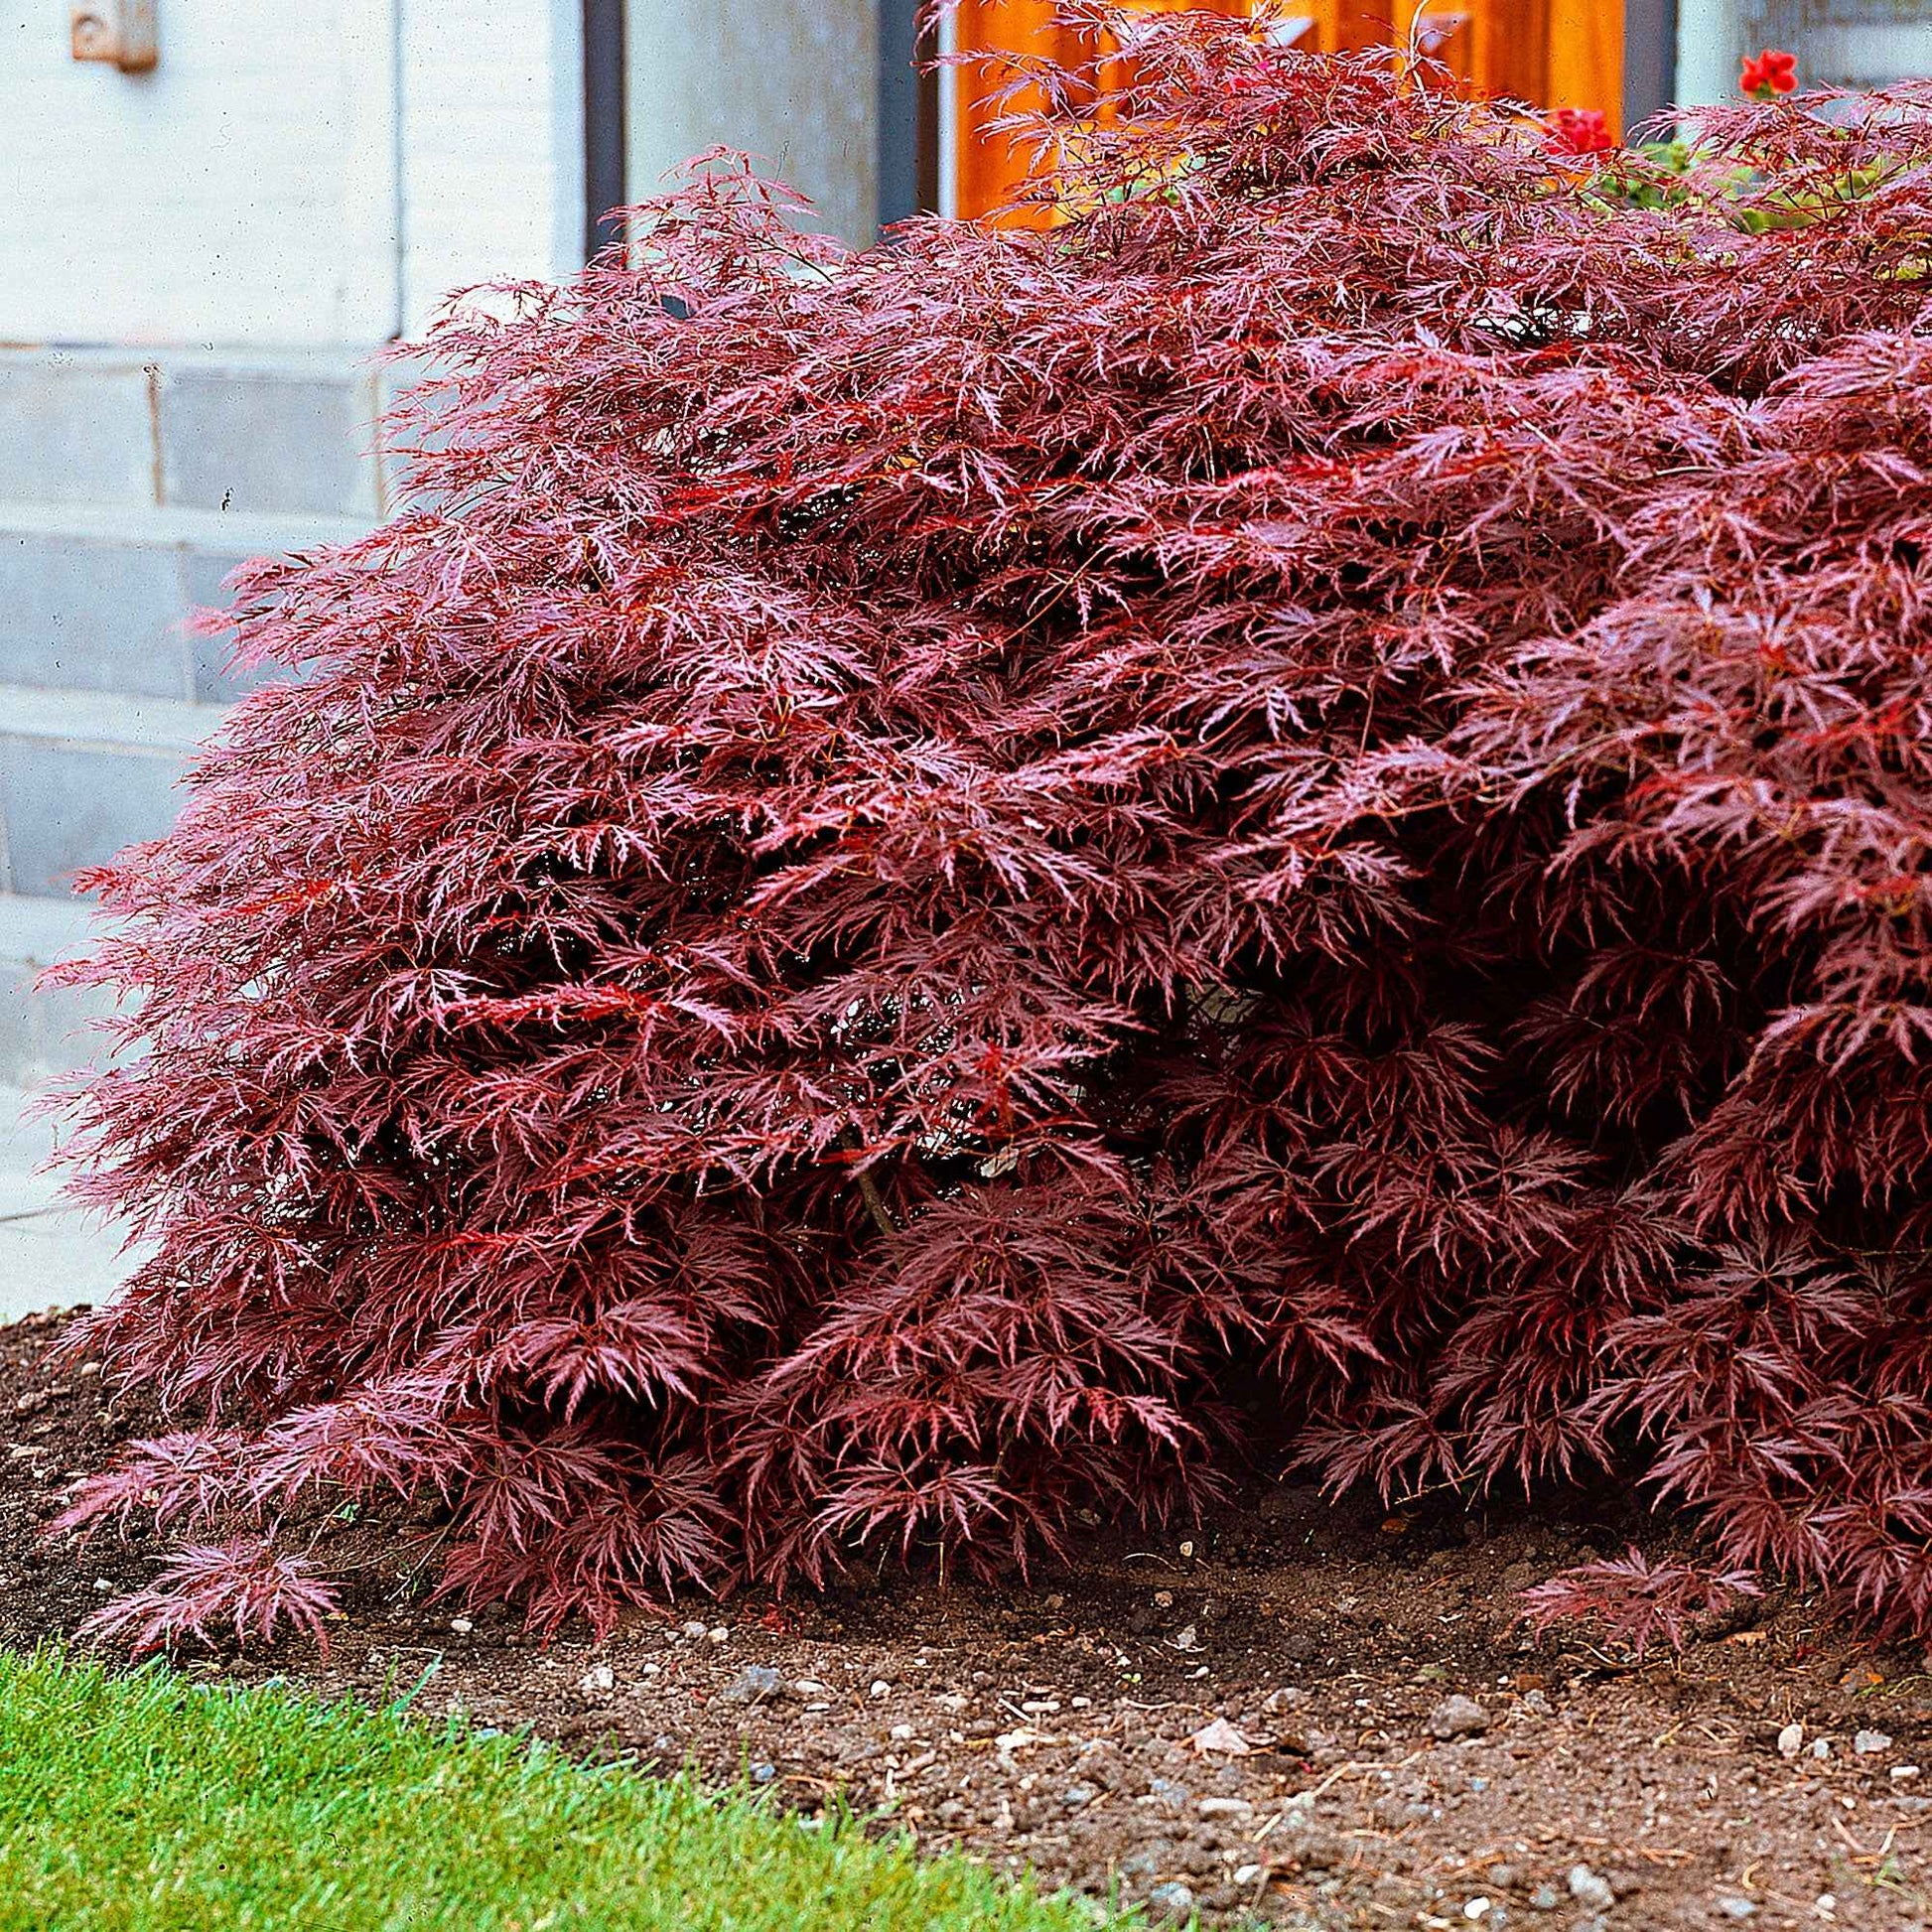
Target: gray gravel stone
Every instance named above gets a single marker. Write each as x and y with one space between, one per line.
1458 1717
1172 1900
1238 1809
1586 1888
754 1684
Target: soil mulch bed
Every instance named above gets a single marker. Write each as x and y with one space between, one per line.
1049 1724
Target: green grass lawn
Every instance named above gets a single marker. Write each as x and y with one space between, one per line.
146 1802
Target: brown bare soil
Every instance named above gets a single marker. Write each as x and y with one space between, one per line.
1049 1724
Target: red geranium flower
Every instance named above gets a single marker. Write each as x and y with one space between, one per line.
1768 74
1579 131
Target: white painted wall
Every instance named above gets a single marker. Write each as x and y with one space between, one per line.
1710 46
491 144
242 191
1839 43
291 173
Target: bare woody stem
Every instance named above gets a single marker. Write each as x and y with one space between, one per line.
881 1215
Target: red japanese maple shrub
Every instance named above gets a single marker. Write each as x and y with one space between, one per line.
928 889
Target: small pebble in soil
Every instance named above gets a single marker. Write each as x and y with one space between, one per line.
1236 1807
1733 1906
881 1688
1545 1898
763 1773
1903 1773
1868 1743
1250 1874
1457 1717
754 1684
1478 1907
694 1630
718 1634
1172 1900
1820 1748
1791 1740
1075 1796
462 1625
597 1680
1586 1888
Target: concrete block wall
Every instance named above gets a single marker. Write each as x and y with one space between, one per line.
130 485
44 1032
286 188
310 173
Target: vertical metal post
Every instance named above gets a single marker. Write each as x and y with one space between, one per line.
899 101
605 132
1649 58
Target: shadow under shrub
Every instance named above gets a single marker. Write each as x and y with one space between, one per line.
914 868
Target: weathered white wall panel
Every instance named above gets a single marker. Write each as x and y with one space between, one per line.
244 191
792 83
491 144
290 174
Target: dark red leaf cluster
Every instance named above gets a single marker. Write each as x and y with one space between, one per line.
1640 1601
926 894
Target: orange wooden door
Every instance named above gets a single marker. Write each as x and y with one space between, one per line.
990 166
1552 53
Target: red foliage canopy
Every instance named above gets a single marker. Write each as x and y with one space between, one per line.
928 889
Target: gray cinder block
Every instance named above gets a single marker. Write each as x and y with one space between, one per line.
268 441
204 575
81 614
72 805
75 430
45 1031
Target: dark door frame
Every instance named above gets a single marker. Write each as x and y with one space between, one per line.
908 117
1649 58
605 128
